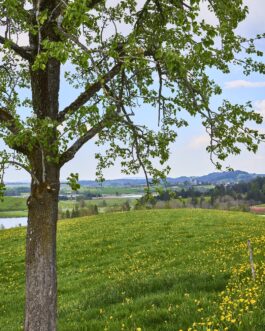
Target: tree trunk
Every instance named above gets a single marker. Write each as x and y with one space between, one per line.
41 281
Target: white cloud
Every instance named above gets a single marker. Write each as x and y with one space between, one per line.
260 107
243 83
199 142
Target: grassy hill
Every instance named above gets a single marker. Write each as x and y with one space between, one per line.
149 271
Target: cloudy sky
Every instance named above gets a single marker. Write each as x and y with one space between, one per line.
188 154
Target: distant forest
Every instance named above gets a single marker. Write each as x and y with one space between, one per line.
238 196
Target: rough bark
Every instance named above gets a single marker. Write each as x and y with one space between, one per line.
41 282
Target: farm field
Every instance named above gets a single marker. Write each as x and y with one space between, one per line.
13 207
16 206
69 204
156 270
13 204
13 213
108 190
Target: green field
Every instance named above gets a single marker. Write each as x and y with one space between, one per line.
13 204
13 207
109 190
147 270
69 204
13 213
16 206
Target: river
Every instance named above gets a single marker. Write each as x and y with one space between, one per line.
12 222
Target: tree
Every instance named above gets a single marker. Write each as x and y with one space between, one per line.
126 206
117 56
95 210
104 203
82 203
67 214
194 201
75 212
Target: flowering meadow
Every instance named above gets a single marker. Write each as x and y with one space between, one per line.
151 270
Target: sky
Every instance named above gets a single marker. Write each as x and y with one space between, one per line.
188 156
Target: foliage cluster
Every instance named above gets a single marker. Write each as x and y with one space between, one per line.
77 212
238 196
119 72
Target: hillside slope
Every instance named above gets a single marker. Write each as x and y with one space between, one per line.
147 270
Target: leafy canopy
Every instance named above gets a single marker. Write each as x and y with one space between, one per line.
121 56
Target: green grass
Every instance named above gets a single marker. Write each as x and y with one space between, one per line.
158 270
110 190
13 213
13 203
16 206
69 204
13 207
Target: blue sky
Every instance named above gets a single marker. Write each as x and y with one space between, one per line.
188 154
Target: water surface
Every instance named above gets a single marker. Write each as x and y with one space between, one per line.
12 222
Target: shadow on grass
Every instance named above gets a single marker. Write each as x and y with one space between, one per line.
194 284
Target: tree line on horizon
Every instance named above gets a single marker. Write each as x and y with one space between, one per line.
239 196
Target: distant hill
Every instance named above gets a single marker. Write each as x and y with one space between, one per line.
228 177
212 178
225 177
114 182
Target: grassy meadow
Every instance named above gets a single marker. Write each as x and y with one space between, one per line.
156 270
113 190
13 207
13 203
16 206
69 204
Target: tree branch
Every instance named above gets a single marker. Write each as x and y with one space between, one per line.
88 93
22 166
72 150
8 121
85 96
21 51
